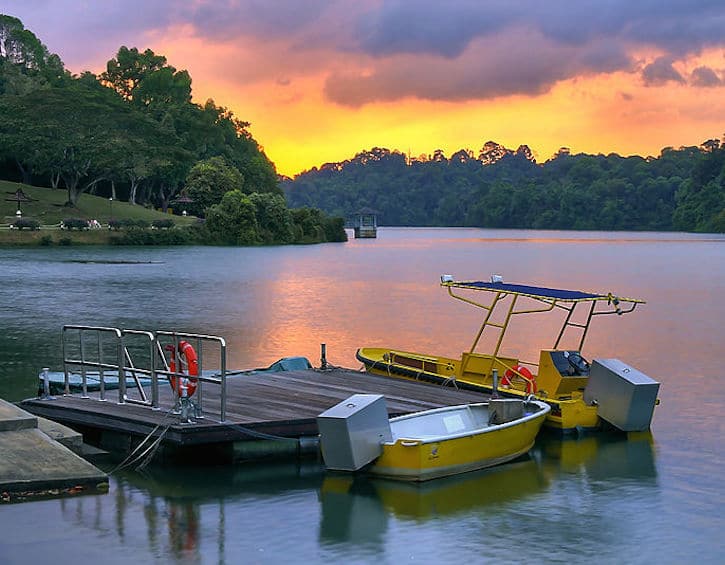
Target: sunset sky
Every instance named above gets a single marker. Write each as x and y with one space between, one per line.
322 80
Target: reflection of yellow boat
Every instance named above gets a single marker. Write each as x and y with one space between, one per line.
429 444
498 485
346 497
579 394
602 456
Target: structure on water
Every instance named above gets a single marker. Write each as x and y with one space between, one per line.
365 223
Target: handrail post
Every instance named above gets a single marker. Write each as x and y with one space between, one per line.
200 382
154 376
223 407
101 376
121 371
84 382
66 389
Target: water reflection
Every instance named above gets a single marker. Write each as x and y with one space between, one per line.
229 513
357 509
601 457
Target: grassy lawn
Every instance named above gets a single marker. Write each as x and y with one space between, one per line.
48 208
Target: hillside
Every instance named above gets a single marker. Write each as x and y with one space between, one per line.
48 207
682 189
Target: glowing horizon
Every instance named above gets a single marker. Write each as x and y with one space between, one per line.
320 82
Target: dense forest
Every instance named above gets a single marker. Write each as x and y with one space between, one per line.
133 133
682 189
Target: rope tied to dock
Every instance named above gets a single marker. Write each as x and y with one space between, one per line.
147 454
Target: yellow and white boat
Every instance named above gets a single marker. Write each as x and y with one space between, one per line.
581 395
457 439
356 434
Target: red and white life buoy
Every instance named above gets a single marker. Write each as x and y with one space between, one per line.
524 373
184 386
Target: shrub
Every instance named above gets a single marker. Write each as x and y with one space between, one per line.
163 224
74 224
26 224
115 224
65 241
45 241
165 237
138 224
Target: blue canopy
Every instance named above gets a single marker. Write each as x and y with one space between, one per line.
535 291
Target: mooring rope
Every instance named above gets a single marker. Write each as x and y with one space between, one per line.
132 457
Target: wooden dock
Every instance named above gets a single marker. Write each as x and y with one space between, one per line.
267 413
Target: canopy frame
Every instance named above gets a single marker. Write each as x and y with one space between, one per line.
550 298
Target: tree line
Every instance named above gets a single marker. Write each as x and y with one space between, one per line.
682 189
133 133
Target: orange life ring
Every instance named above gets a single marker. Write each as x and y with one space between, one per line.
186 385
524 373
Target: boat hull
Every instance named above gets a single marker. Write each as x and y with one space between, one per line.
425 458
570 415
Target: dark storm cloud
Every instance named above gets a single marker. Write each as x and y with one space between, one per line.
660 72
447 28
705 77
440 28
271 19
484 71
430 49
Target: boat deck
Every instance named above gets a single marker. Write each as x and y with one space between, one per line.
283 405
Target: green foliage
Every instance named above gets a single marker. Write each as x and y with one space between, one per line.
187 236
163 224
311 225
233 221
273 218
25 63
134 223
46 241
26 224
701 200
207 183
241 219
74 224
334 228
681 189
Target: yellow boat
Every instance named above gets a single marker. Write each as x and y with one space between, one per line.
457 439
581 395
357 434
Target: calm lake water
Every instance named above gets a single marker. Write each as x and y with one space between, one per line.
644 499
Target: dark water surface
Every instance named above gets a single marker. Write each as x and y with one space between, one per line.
646 499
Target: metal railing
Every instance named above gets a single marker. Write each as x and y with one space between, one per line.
138 354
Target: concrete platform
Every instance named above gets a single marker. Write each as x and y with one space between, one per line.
33 464
64 435
13 418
